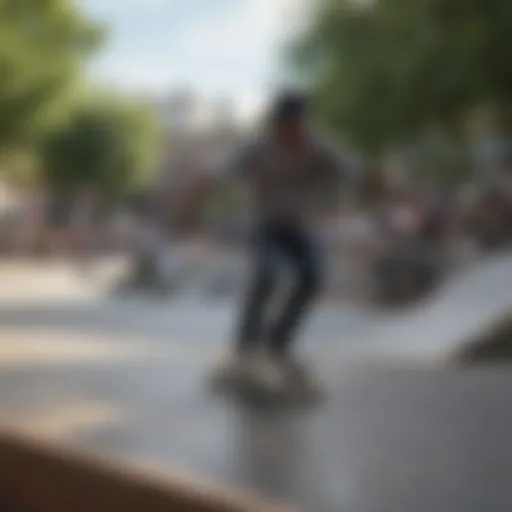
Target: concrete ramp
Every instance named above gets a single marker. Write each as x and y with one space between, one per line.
469 310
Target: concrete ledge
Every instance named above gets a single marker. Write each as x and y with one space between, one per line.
492 344
38 477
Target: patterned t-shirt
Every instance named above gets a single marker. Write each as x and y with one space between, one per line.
289 185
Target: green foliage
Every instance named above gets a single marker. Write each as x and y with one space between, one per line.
385 70
19 167
43 44
106 141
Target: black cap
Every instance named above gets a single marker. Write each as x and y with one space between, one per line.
290 106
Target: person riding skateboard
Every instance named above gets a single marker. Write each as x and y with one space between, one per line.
289 170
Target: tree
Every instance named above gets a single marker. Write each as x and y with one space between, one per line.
384 71
108 142
43 44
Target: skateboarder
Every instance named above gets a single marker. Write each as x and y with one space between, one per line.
288 169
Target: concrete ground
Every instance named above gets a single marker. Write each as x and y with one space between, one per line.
399 431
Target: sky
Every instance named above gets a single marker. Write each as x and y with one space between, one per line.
217 47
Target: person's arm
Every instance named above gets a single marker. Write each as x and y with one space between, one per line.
335 165
340 175
191 202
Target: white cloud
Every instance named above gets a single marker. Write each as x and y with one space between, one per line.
237 52
252 28
134 75
232 51
249 104
112 6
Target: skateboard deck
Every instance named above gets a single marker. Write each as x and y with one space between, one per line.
295 392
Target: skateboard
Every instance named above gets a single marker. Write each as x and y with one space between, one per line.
296 391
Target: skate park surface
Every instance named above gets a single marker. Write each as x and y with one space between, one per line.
402 429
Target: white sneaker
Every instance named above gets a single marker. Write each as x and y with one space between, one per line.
300 380
233 370
226 370
266 374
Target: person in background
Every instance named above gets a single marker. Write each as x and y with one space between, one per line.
148 245
85 225
490 220
59 207
505 189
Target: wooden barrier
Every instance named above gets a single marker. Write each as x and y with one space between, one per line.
35 477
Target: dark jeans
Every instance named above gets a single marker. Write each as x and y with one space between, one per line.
277 243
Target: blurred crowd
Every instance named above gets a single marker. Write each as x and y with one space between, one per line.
43 224
419 234
409 235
